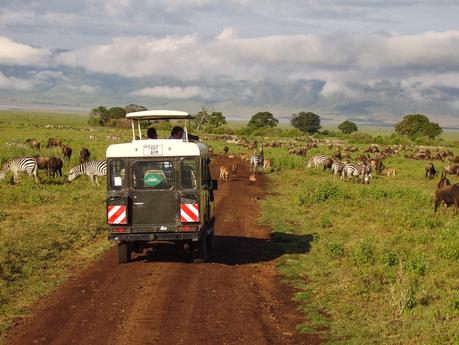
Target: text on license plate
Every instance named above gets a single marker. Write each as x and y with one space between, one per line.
152 150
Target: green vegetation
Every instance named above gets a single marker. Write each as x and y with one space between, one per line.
113 117
418 125
348 127
50 228
263 119
306 122
382 267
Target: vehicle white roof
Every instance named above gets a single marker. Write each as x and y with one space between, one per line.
157 148
159 115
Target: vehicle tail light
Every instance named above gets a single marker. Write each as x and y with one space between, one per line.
189 211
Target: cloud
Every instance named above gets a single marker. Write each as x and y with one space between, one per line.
14 53
12 83
175 92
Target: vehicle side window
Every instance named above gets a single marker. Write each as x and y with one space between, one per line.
117 174
189 173
152 175
205 173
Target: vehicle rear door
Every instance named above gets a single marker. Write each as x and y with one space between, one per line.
154 195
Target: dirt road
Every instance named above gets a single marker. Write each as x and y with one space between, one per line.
161 298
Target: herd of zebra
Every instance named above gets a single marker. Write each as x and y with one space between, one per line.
29 165
361 171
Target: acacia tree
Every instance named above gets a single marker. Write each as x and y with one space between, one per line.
417 125
263 119
202 117
306 122
216 119
348 127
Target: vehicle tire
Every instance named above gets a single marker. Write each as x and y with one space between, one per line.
123 253
210 241
200 250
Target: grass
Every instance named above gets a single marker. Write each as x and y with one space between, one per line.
49 229
383 268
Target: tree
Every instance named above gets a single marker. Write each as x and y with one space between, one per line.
417 125
216 119
132 108
98 116
348 127
306 122
202 117
116 113
263 119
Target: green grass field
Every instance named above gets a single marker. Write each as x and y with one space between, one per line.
381 268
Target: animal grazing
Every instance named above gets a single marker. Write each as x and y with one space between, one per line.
357 171
234 169
337 168
91 168
226 149
443 182
55 165
33 143
431 172
84 155
28 165
449 195
42 162
257 161
67 151
451 169
53 142
224 173
390 172
316 161
92 137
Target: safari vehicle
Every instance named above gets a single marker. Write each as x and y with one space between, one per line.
160 190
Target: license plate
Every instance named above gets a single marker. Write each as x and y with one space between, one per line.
152 150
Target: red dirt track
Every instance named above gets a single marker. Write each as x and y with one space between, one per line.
162 298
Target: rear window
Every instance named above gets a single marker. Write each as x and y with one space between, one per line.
152 175
188 174
117 174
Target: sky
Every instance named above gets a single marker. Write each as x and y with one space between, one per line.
364 60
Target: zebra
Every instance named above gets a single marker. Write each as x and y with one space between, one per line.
337 168
257 161
316 161
357 171
28 165
18 145
91 168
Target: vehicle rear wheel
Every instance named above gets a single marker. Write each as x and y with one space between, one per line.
200 250
123 253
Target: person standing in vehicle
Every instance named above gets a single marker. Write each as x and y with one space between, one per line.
177 133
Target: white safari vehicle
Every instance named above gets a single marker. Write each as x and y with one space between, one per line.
160 190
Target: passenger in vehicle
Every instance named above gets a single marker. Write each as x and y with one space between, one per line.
151 133
177 133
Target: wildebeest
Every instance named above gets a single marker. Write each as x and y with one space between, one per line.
431 172
451 169
449 195
33 143
53 142
67 151
328 164
443 182
42 162
55 166
226 149
84 155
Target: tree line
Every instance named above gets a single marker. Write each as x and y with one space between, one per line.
208 120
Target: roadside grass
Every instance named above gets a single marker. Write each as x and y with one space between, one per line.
50 229
382 268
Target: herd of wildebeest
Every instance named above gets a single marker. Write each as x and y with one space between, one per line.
342 160
352 164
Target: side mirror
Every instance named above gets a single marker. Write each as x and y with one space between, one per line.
214 185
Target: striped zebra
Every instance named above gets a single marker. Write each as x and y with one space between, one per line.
28 165
91 168
257 161
337 168
18 145
360 172
317 161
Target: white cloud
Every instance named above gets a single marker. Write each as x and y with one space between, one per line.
84 88
175 92
12 83
14 53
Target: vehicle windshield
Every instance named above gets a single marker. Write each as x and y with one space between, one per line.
152 175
